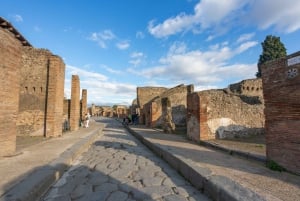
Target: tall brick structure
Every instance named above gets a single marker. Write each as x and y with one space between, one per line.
41 93
281 86
84 108
55 97
11 42
75 103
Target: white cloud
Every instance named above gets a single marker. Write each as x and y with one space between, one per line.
102 37
219 16
245 37
136 54
18 18
283 15
206 14
100 89
170 26
203 68
111 70
123 45
136 58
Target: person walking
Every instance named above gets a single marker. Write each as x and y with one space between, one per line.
87 120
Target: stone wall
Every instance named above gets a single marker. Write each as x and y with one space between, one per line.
75 104
250 87
217 114
33 90
145 95
41 93
10 62
177 96
281 84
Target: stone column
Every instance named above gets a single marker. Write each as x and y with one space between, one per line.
75 103
83 102
10 62
55 97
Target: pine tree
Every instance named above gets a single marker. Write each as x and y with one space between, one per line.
272 48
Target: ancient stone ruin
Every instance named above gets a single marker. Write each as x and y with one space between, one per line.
32 98
154 111
226 113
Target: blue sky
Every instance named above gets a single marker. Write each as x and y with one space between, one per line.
117 45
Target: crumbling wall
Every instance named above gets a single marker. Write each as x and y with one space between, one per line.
281 86
218 114
177 96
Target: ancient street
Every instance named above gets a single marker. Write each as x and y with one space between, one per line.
118 167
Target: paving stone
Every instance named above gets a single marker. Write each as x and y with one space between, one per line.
117 196
120 168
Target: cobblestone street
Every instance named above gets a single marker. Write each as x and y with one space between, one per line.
118 167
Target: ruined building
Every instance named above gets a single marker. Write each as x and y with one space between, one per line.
155 102
226 113
32 92
41 93
32 95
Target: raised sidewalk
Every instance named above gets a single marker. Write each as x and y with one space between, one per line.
220 175
26 176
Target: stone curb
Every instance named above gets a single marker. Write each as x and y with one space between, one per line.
40 179
217 187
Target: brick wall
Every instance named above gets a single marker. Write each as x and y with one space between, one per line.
10 62
33 90
217 114
75 103
281 86
55 97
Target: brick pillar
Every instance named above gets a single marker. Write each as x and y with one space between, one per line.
55 97
10 62
193 116
75 103
281 89
84 102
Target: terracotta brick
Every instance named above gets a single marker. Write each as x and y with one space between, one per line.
282 111
10 57
75 103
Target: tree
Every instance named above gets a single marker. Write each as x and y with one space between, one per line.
272 48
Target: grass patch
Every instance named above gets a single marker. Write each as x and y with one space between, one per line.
274 166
